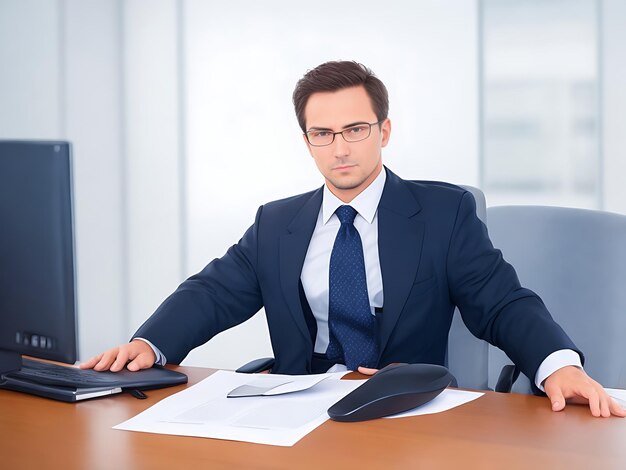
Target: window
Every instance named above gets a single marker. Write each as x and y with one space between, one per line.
540 125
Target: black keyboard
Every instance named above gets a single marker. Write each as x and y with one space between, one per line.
53 374
46 373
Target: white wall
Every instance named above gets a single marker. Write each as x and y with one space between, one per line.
244 146
152 169
93 122
31 79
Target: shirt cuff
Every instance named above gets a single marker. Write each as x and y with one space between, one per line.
555 361
161 360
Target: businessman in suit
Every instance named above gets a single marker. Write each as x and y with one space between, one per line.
365 271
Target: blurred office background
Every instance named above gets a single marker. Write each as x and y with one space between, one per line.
181 118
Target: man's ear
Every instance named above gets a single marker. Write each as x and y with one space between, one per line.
385 130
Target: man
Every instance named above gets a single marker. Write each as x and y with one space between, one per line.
365 271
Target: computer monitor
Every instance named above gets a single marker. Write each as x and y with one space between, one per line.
37 281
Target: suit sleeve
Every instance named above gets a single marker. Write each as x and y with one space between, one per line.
493 304
225 293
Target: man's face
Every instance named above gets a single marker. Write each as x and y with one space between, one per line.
348 167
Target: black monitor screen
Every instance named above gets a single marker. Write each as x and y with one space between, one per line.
37 303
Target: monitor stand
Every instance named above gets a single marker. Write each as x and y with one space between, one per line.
9 361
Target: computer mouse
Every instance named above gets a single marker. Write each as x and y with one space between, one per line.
393 389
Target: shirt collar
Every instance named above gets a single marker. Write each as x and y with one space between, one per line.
366 203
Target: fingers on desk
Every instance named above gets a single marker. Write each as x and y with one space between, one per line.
138 353
616 409
579 388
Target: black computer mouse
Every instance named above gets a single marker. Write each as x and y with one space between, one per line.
393 389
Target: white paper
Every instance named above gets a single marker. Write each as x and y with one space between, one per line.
268 385
203 410
445 401
618 394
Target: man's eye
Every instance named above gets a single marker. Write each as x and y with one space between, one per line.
319 133
356 130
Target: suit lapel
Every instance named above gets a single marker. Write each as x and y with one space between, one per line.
400 239
292 252
399 249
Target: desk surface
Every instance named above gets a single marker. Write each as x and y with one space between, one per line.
495 431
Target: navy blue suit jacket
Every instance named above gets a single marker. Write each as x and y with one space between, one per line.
434 252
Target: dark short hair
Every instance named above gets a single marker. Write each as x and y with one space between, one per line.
337 75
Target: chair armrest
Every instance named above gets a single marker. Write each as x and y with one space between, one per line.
508 376
257 365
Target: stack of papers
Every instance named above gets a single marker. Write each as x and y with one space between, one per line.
270 409
205 411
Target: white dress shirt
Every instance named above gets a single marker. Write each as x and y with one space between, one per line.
316 268
315 271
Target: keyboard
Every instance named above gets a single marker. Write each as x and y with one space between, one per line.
54 374
46 373
71 384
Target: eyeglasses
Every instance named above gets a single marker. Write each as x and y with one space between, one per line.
323 137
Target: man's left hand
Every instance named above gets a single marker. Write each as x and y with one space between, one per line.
574 385
366 370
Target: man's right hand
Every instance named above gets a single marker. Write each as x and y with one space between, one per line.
137 354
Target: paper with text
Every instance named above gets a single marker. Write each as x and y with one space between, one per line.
203 410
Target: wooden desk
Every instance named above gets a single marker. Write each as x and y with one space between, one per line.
495 431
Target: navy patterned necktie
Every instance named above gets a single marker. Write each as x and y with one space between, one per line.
352 327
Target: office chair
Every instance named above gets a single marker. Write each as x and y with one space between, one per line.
466 357
575 260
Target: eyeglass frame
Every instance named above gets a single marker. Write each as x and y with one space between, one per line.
306 134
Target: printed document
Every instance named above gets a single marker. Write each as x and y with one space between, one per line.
204 410
286 409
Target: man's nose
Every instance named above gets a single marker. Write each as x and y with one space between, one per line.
340 146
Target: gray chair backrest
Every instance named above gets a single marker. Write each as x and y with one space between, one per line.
467 355
575 259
